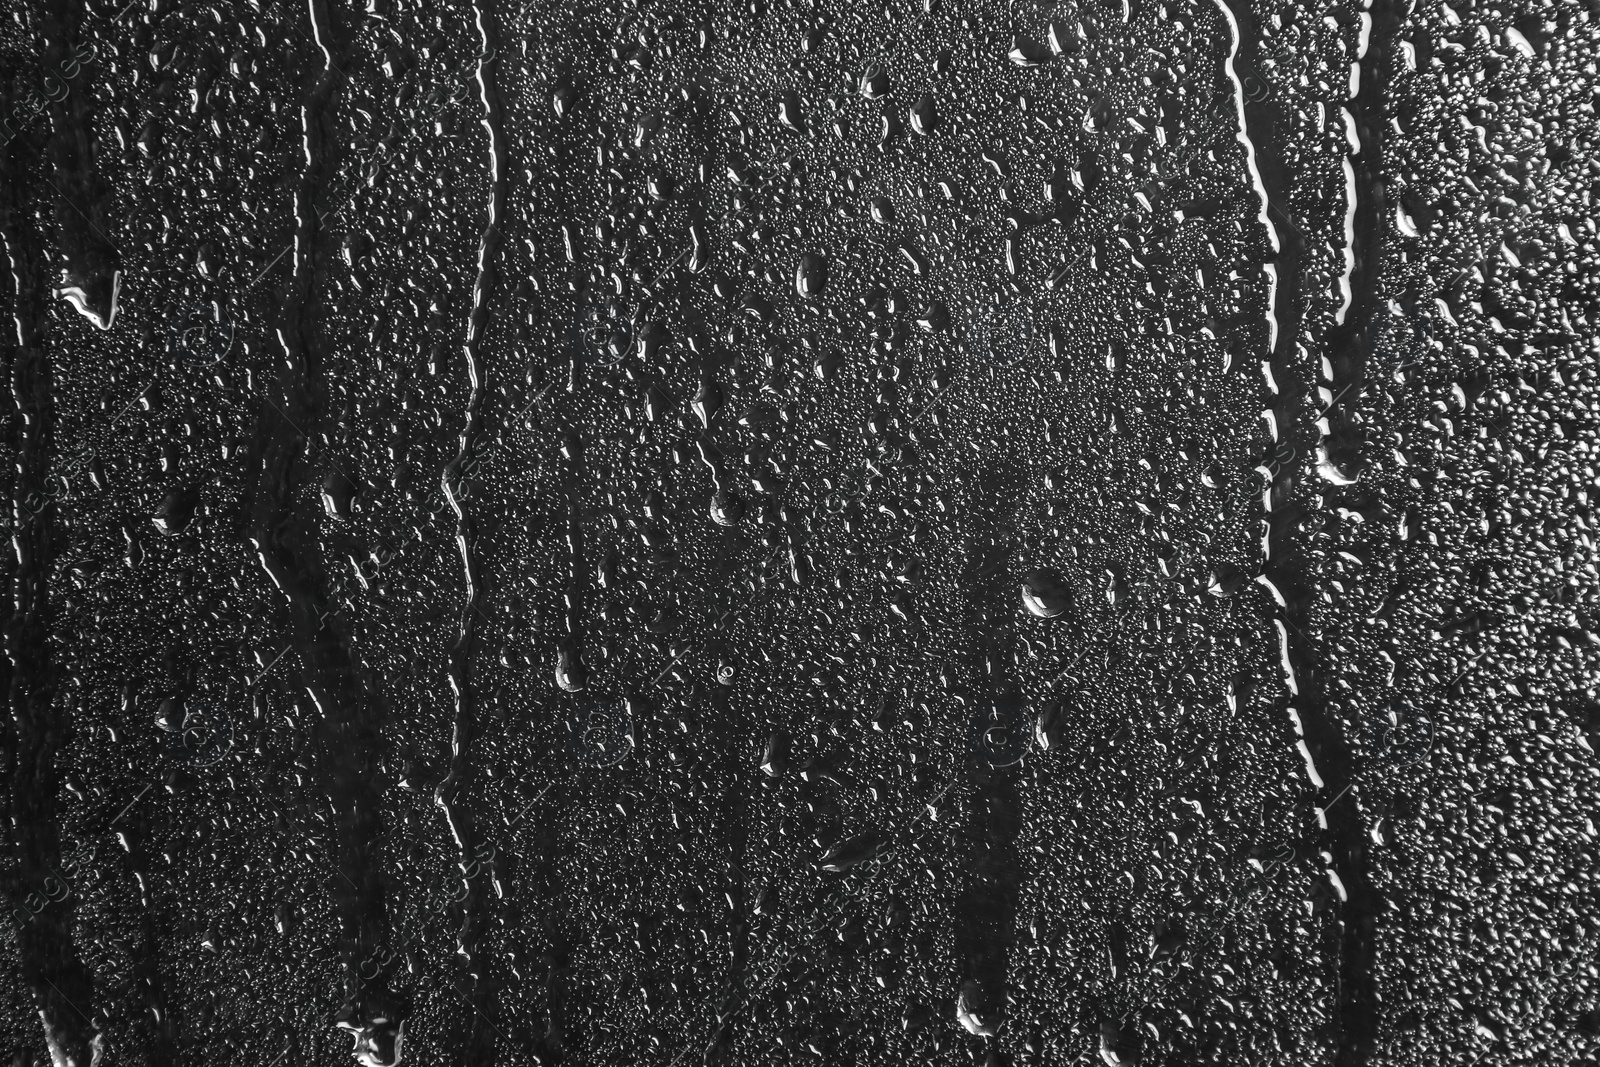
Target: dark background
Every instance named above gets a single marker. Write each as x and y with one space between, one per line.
539 551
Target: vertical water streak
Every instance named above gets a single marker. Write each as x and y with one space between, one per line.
454 481
1286 575
91 266
38 726
283 530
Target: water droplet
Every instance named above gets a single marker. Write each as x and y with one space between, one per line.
177 510
810 274
874 81
1045 593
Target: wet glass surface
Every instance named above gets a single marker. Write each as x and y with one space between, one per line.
800 532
